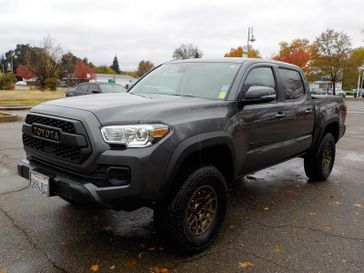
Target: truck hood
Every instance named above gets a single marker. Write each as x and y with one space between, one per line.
124 108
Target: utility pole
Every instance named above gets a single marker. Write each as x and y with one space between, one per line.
360 80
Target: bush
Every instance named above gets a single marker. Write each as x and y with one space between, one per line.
7 81
349 92
50 84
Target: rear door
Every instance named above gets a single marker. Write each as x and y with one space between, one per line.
278 130
300 114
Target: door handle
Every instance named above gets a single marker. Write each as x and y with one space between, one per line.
308 111
280 115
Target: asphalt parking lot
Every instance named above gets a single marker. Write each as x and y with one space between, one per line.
276 222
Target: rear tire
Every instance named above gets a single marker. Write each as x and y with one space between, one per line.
191 221
318 166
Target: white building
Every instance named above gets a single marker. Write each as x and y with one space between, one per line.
120 79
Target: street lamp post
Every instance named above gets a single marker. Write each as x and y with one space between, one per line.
360 80
12 56
250 39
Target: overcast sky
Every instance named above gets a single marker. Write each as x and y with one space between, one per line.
135 30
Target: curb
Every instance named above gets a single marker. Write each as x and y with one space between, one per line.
5 117
14 108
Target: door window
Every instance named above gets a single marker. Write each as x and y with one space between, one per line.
293 85
260 76
83 88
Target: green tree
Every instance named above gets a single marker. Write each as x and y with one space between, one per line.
187 51
15 56
115 65
7 81
331 51
351 71
144 67
103 69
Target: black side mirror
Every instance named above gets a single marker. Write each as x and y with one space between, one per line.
257 94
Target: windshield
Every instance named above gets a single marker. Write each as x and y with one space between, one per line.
204 80
112 88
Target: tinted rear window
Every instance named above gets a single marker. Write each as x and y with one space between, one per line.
293 84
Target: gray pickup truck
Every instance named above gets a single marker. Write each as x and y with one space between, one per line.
178 138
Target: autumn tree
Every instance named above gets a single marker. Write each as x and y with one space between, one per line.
187 51
144 67
24 72
351 72
83 71
43 61
239 52
298 52
115 65
330 54
67 64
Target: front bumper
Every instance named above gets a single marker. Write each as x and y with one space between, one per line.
82 191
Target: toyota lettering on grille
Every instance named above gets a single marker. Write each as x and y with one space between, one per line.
46 133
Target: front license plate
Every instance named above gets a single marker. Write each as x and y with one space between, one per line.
39 182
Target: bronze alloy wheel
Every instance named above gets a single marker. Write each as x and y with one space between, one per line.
327 157
201 210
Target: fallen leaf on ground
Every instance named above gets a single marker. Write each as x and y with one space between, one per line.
266 208
329 253
337 203
140 255
276 249
3 270
112 267
95 267
326 227
61 243
130 263
159 270
313 213
359 205
246 265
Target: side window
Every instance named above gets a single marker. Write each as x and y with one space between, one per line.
260 76
83 88
93 88
293 84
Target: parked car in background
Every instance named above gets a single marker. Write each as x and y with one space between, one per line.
95 88
319 91
21 83
361 94
338 92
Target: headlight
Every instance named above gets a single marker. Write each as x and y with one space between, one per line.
142 135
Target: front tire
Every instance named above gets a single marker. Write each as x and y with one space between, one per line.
191 221
318 166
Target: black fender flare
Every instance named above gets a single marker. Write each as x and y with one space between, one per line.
320 133
194 144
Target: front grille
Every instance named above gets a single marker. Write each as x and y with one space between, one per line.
68 153
66 126
52 150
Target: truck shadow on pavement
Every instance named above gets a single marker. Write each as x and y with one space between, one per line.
272 200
